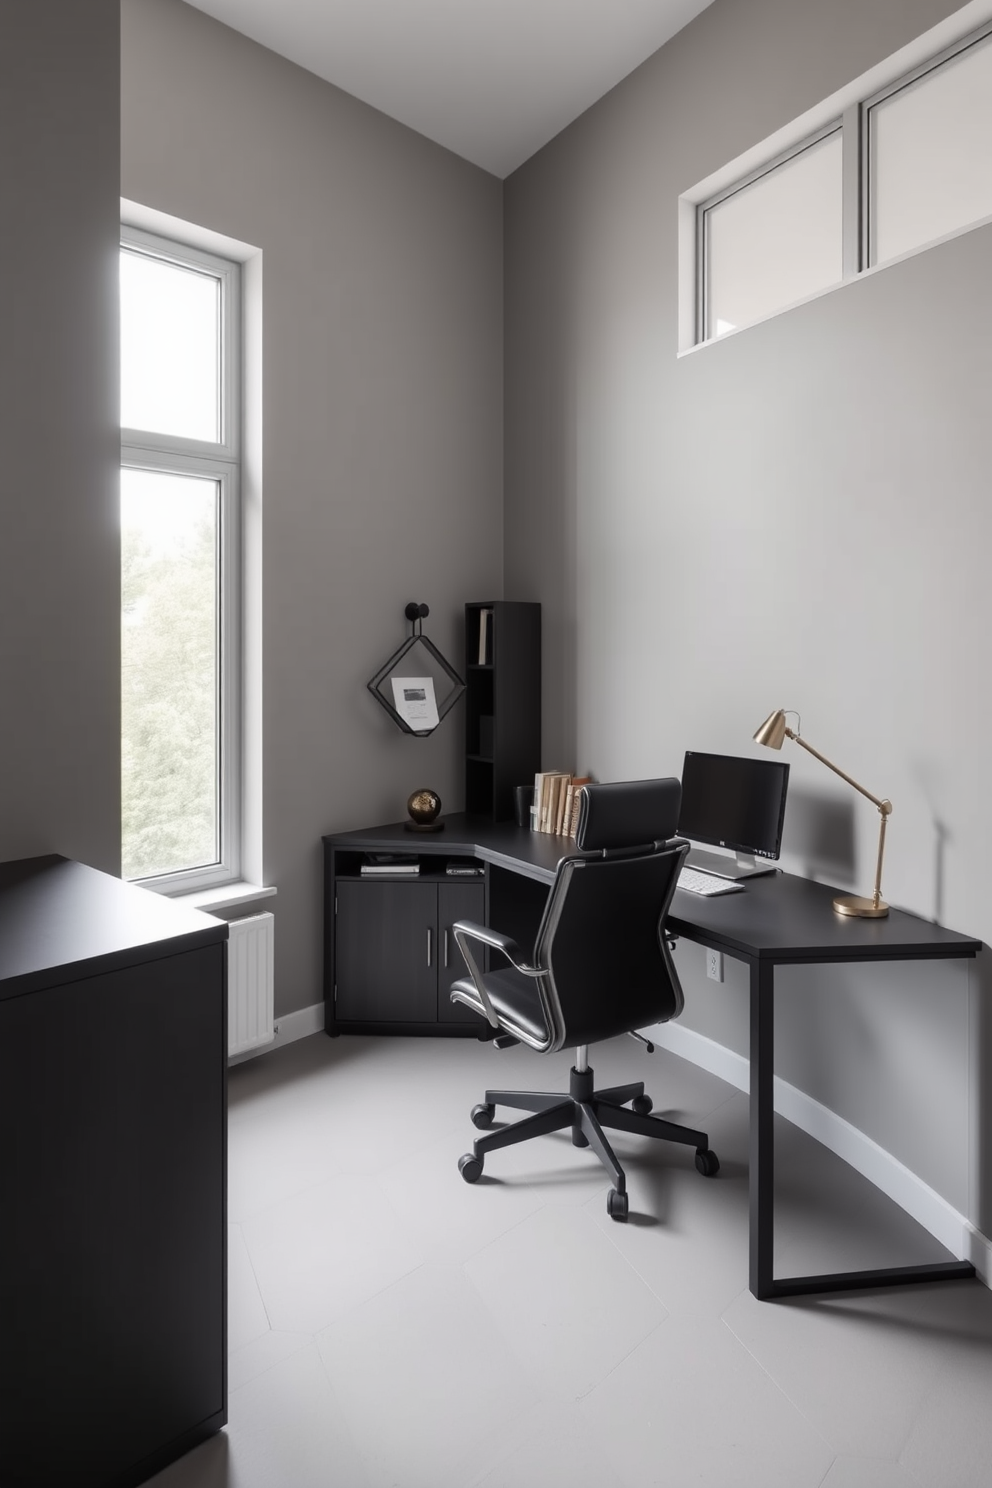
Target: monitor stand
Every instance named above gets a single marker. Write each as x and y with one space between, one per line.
740 866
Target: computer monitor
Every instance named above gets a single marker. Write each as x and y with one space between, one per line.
733 803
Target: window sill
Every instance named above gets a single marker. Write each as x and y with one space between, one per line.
226 896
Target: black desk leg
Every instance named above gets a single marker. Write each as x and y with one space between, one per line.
761 1178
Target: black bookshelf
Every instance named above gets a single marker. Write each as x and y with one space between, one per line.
503 704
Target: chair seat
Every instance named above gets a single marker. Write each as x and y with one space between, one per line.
512 995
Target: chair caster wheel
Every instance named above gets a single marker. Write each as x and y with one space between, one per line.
482 1116
470 1167
617 1205
642 1104
707 1162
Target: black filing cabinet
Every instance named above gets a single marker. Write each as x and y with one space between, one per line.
113 1057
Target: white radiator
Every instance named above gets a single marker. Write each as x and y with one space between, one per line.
249 983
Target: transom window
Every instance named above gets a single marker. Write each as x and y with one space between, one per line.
895 169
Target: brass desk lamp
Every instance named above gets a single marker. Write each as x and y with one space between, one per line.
772 732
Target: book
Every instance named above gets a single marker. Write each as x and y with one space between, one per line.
553 791
485 636
547 796
464 868
564 790
573 820
538 806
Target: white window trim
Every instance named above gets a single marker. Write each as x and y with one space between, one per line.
948 38
220 461
910 79
741 184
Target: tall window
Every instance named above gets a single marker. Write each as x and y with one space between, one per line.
180 542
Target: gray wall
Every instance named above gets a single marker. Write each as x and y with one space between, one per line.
381 436
797 516
59 431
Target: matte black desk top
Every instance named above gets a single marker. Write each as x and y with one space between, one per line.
776 917
531 854
60 921
780 917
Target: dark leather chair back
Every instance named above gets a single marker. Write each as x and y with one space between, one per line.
601 937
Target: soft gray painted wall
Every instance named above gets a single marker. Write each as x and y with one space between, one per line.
797 516
60 421
381 437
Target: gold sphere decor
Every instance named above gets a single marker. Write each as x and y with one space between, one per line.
424 808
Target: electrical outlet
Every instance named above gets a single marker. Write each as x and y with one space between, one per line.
714 965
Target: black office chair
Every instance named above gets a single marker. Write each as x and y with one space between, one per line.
601 966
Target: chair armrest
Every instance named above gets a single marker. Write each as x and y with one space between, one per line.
497 941
466 930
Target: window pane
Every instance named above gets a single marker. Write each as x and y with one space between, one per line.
931 156
169 703
170 348
777 240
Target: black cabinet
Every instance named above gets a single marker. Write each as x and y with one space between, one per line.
113 1057
502 704
386 949
455 901
390 955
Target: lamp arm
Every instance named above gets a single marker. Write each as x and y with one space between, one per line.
885 807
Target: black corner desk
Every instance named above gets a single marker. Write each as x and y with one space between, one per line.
779 920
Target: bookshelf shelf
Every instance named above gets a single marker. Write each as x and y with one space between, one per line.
503 704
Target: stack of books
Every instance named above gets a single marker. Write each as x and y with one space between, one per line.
556 802
380 864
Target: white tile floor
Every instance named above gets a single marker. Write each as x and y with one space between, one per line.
393 1327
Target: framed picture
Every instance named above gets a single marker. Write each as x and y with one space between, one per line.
413 699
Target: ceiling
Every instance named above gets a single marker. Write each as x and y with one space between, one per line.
492 80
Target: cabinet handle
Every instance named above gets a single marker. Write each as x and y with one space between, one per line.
430 944
445 950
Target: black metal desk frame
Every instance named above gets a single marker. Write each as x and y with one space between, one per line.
782 920
779 920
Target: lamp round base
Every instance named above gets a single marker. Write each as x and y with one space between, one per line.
854 904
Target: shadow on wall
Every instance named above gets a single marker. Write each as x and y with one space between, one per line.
819 830
981 1083
941 837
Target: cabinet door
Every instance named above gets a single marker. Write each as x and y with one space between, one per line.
114 1239
386 952
456 901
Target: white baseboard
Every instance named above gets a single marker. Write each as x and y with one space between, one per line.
288 1028
886 1172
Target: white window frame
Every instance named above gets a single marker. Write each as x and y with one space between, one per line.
850 110
705 207
219 461
910 79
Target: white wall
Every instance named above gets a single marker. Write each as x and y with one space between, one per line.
796 517
60 428
381 429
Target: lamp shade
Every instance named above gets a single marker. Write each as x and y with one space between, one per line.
772 731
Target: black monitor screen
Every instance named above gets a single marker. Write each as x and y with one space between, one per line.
735 803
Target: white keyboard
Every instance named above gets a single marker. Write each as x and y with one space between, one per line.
706 883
